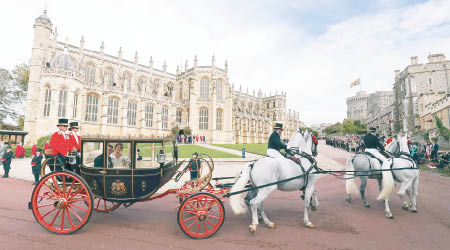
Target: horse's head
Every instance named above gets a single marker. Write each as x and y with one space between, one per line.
309 146
393 147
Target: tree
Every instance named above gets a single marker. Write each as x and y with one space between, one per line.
333 129
20 122
13 89
360 127
348 127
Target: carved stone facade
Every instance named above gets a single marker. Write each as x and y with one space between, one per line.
111 96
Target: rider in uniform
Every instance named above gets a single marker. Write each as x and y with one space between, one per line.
374 146
275 144
60 142
74 137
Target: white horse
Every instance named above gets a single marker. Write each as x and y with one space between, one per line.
269 170
369 168
408 176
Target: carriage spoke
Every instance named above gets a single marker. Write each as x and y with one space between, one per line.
104 203
214 217
188 219
79 199
81 208
54 218
190 212
51 191
62 219
47 197
210 223
64 186
189 227
46 205
98 203
76 214
68 217
55 183
204 226
198 228
70 189
43 216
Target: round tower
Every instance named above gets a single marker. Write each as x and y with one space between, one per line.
39 57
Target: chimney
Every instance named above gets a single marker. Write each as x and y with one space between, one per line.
414 60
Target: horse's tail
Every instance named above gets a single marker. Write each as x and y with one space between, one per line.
350 185
388 181
237 201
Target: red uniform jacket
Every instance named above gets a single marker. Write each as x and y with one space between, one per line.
389 140
73 141
20 151
60 144
33 150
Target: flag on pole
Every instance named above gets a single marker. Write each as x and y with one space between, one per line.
355 82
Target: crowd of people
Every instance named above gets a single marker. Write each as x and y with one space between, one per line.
419 150
191 139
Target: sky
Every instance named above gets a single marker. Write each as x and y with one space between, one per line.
312 50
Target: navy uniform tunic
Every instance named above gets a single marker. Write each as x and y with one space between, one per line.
36 166
275 142
371 141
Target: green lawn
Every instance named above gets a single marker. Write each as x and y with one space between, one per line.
186 151
423 167
259 149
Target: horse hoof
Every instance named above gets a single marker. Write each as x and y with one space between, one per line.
413 210
272 226
405 208
309 224
367 205
252 229
390 217
313 208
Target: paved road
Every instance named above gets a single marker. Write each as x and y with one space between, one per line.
153 224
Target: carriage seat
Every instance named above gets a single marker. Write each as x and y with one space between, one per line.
373 156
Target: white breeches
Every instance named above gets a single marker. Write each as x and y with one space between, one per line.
274 153
377 154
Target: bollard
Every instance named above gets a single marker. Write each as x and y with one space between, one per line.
243 152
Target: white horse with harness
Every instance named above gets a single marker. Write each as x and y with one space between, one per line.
402 168
272 173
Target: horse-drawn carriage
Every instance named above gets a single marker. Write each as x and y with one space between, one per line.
109 173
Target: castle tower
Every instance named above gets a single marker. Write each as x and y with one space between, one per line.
39 57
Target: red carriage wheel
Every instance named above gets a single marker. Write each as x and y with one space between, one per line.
201 215
101 205
62 202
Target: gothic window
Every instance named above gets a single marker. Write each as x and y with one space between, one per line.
90 73
155 87
219 89
127 81
149 115
110 77
203 119
62 103
204 88
165 117
91 108
267 105
169 90
219 113
48 98
75 105
274 116
274 104
113 110
141 83
179 114
131 113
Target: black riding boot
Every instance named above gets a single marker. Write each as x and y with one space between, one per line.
6 175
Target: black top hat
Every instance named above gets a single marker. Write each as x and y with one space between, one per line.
195 153
74 125
63 122
38 150
278 126
372 129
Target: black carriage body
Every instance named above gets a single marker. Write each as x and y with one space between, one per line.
127 184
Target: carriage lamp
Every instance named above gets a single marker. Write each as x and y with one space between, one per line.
161 157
